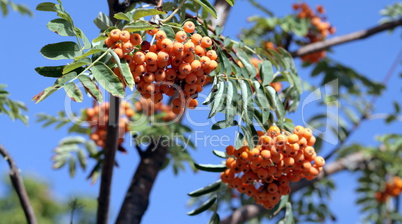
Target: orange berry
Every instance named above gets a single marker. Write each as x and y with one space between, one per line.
212 54
160 75
152 32
193 103
139 57
293 138
273 131
195 65
163 56
319 161
160 35
181 36
307 133
299 130
191 78
196 39
119 52
171 74
124 36
262 173
109 42
272 188
127 47
151 67
115 35
189 46
167 45
150 58
189 27
230 150
205 61
188 58
206 42
289 161
265 154
135 39
199 50
177 47
185 68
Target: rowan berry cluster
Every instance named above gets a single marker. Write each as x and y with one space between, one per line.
98 118
167 65
319 30
148 107
392 189
265 171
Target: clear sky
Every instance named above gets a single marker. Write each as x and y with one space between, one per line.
32 146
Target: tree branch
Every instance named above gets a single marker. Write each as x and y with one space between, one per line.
222 9
310 48
18 185
247 212
136 200
109 161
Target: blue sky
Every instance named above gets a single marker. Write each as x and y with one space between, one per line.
32 146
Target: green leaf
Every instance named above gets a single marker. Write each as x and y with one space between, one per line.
231 97
211 167
122 16
266 72
76 64
139 26
125 71
62 50
61 27
107 79
207 6
246 97
206 205
73 91
72 140
142 12
85 40
289 214
246 63
223 124
91 148
67 77
46 6
276 103
72 167
82 159
219 154
215 219
90 52
218 99
262 101
102 21
60 162
45 93
91 87
205 190
50 71
231 2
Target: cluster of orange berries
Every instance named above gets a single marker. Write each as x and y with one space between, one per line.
148 107
167 65
392 189
265 171
98 118
319 31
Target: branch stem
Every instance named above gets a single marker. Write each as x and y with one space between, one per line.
18 185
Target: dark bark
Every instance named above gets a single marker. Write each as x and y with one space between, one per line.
18 185
109 161
136 200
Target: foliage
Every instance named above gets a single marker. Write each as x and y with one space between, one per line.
47 209
22 9
12 108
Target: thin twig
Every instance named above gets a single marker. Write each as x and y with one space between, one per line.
310 48
173 13
19 187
